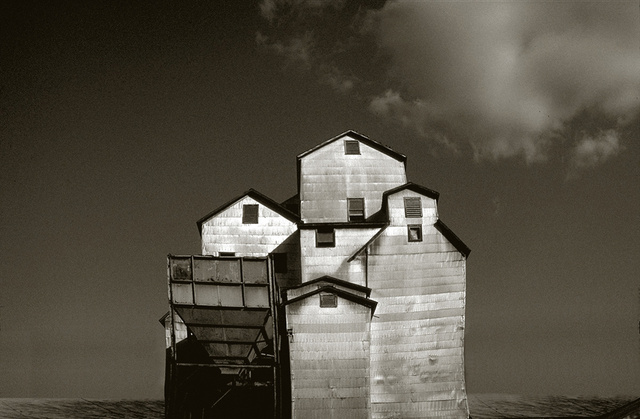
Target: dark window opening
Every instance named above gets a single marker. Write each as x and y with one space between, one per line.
325 237
226 254
280 263
351 147
414 233
328 300
250 214
412 207
355 209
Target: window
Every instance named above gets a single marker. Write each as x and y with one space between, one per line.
280 263
414 232
412 207
325 237
328 300
226 254
351 147
355 209
249 214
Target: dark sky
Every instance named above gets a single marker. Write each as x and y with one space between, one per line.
122 124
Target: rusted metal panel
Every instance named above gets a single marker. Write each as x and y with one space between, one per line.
328 177
225 302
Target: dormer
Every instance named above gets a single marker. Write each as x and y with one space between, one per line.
343 179
413 222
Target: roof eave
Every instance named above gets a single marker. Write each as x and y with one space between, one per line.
259 197
372 143
344 294
336 281
451 236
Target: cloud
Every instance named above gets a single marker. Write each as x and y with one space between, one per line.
511 76
416 115
275 9
320 36
335 78
508 79
592 151
295 50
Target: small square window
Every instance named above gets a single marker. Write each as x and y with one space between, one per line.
351 147
250 214
412 207
414 233
328 300
325 237
280 263
355 209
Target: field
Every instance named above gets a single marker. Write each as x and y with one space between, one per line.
80 409
488 406
482 406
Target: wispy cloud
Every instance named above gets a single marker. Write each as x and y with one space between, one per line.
592 151
295 50
507 78
320 36
417 115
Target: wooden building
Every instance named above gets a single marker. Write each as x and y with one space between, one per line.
345 301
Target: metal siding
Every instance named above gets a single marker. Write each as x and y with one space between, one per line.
329 352
328 177
417 356
293 293
225 231
319 261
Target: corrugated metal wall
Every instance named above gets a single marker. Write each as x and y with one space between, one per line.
225 231
417 363
406 362
319 261
329 350
328 177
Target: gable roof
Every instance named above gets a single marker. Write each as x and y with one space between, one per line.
341 293
257 196
412 187
364 139
355 135
335 281
383 214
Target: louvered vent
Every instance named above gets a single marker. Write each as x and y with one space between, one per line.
355 209
412 207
